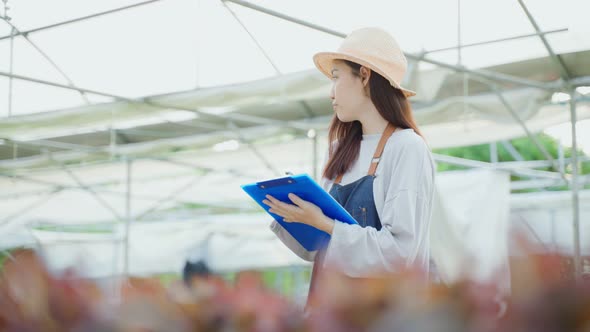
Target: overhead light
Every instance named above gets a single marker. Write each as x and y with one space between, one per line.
311 133
583 90
217 109
230 145
560 97
179 116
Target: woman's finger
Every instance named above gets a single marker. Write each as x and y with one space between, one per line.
284 206
297 200
278 212
273 207
273 200
286 217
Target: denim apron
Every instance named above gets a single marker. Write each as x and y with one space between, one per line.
357 199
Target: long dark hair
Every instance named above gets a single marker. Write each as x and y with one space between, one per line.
393 106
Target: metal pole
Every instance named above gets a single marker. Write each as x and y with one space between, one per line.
575 194
500 166
264 53
561 156
583 180
51 62
127 220
7 18
91 191
116 280
538 184
513 152
493 152
30 207
487 42
169 198
287 18
112 136
565 75
10 69
534 233
79 19
579 81
538 163
254 149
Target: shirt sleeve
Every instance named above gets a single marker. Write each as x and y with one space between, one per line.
405 218
290 242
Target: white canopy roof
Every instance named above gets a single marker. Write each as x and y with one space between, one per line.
182 73
176 45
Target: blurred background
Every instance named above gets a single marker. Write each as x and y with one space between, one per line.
127 127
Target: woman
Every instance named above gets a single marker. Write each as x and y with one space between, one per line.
379 166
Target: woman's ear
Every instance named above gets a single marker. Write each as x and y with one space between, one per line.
365 75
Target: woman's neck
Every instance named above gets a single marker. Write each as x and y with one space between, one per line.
373 122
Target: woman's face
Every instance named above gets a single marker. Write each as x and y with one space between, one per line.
348 92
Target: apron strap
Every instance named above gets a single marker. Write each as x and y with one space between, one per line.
378 151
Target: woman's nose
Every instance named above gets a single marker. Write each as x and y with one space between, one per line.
332 96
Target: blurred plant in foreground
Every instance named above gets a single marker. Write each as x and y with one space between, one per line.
32 299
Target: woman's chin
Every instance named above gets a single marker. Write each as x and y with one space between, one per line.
343 118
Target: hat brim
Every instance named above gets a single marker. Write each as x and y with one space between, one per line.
323 61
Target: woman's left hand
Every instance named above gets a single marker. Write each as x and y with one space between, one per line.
302 212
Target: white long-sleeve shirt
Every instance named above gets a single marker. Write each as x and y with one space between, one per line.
403 191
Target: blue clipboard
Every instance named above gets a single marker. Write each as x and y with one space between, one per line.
306 188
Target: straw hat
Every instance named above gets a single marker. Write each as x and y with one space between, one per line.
373 48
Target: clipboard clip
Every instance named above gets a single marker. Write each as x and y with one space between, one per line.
276 183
